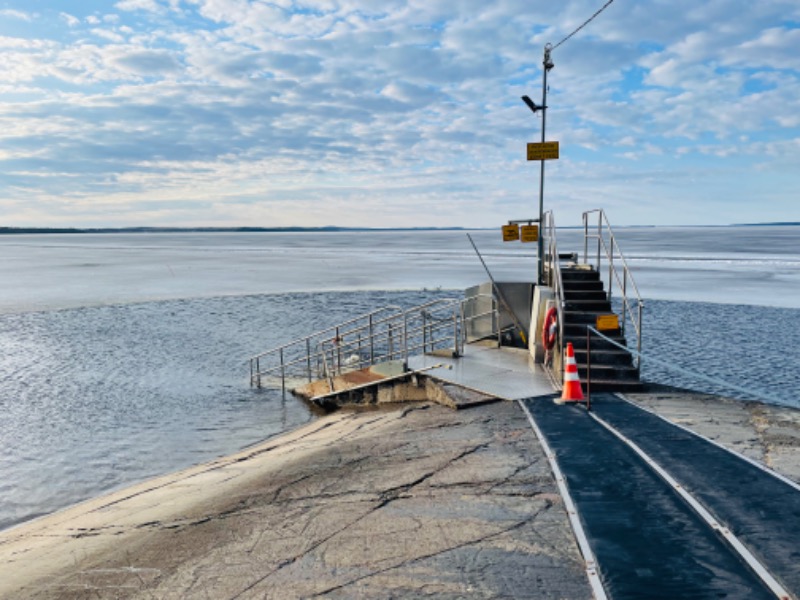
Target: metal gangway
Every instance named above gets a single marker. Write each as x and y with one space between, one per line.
631 303
602 253
387 334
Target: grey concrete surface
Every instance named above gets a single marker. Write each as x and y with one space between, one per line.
766 433
416 501
409 500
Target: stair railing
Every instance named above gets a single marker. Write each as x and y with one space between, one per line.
552 267
618 271
383 335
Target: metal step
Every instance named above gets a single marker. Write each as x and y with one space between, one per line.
586 317
603 356
586 294
578 274
609 372
601 306
578 330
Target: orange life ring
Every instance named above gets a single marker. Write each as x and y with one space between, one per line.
548 331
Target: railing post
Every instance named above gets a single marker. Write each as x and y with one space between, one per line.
405 337
639 341
391 343
624 299
359 349
308 359
338 343
283 374
455 333
599 237
463 329
496 321
585 238
258 373
611 269
371 343
424 333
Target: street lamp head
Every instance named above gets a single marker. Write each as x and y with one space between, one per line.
531 104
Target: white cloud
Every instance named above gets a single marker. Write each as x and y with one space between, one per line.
20 15
399 104
70 20
774 48
133 5
107 34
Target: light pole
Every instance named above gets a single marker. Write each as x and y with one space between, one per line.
547 64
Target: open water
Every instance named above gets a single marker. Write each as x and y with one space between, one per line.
124 356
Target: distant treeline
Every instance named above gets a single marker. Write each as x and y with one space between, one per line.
779 224
17 230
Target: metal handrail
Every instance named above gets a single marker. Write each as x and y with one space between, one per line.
328 330
395 334
555 281
607 245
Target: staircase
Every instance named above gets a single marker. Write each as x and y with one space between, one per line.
585 298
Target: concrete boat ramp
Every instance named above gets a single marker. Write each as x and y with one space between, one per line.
520 498
660 512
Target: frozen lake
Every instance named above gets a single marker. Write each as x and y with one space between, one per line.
124 356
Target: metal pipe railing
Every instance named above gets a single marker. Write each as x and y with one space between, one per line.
556 283
329 330
611 250
435 324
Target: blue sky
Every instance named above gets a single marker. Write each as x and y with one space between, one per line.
395 113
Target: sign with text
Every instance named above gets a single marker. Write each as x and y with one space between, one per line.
607 322
510 233
543 151
529 233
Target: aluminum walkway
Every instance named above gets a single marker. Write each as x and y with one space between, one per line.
507 373
647 537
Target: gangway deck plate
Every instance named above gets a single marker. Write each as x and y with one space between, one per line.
507 373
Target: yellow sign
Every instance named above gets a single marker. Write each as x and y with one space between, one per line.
607 322
543 151
510 233
529 233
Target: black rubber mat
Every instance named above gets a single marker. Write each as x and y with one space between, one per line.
761 510
647 541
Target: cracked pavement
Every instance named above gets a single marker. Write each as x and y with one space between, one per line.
411 501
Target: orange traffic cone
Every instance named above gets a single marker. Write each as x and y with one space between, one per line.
572 384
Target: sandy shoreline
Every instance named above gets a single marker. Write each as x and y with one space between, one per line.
409 500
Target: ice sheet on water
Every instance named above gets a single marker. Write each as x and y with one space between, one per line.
98 397
751 348
146 371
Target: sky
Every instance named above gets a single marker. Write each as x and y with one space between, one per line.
396 113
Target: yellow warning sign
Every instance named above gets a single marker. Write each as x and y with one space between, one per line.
543 151
529 233
607 322
510 233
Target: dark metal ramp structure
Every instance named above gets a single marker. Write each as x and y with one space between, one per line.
647 540
762 510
